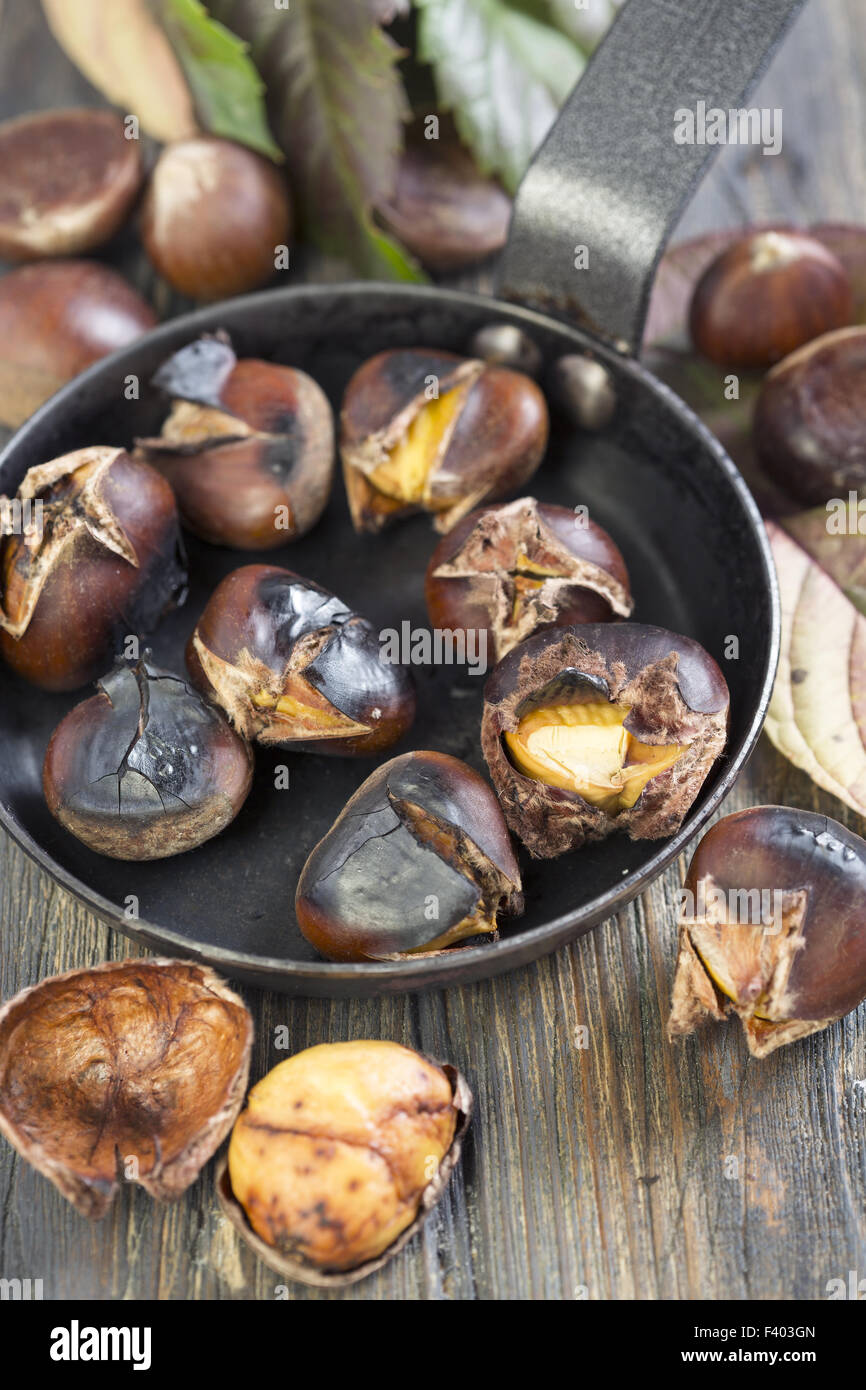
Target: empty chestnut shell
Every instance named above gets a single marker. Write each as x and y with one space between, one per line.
291 665
418 859
131 1070
424 430
145 769
772 927
339 1156
248 446
509 570
810 419
596 728
765 296
103 562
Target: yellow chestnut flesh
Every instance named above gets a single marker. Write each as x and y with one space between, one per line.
407 471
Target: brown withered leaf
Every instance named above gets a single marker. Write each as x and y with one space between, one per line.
835 537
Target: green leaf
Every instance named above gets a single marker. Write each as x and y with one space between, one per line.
502 73
226 88
586 25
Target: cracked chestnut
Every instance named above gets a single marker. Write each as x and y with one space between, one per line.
248 446
133 1070
92 554
771 927
507 571
145 768
292 666
597 728
424 430
419 859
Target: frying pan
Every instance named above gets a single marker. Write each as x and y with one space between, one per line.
610 177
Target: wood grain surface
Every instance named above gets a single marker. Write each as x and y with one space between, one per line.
603 1163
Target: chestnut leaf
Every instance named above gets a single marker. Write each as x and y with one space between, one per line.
842 555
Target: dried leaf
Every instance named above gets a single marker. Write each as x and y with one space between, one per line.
832 537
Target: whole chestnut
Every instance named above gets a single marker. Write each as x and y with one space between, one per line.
810 418
771 927
145 769
292 666
213 215
766 295
597 728
100 561
56 318
424 430
583 389
506 345
511 569
68 180
339 1154
248 446
418 859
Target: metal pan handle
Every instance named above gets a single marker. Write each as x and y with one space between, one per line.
610 175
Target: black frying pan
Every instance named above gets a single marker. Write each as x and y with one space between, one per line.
611 177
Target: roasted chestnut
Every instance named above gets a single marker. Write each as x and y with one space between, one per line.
424 430
507 346
596 728
248 446
583 389
133 1070
100 561
509 570
810 419
68 179
291 665
418 859
145 769
772 926
341 1152
765 296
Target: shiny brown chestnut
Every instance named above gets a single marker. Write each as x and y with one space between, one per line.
509 570
810 418
133 1070
292 666
145 769
424 430
91 555
601 727
248 446
765 296
772 927
419 859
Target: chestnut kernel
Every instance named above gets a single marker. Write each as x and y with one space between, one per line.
248 446
583 388
424 430
597 728
101 560
509 570
68 180
135 1068
810 419
506 345
765 296
419 859
145 769
340 1154
292 666
771 927
213 215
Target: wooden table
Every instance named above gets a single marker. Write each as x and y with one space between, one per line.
622 1169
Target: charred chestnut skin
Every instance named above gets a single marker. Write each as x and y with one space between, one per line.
145 769
495 446
811 969
810 418
676 694
267 633
109 563
424 828
767 295
248 446
471 584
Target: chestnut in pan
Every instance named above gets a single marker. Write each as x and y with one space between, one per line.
601 727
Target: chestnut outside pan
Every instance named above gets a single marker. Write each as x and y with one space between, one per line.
609 177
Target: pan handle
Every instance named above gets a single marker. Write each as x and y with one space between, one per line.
610 175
